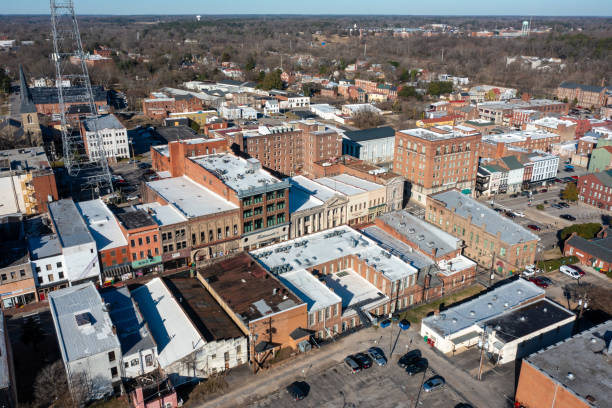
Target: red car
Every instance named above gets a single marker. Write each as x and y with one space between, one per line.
539 282
575 177
533 227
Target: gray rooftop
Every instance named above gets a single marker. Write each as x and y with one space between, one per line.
103 122
494 223
425 235
397 247
483 308
83 327
24 160
370 134
133 334
587 356
44 246
69 225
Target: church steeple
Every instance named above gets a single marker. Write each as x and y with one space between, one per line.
27 104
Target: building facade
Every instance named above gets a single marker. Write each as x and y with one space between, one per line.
105 137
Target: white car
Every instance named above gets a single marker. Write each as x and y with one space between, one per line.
571 271
528 272
518 214
133 197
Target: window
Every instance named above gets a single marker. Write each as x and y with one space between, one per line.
280 193
154 238
49 267
280 218
139 241
3 276
22 273
248 226
235 229
59 264
40 280
114 371
111 356
38 269
133 257
270 221
270 207
280 205
149 360
258 223
247 213
148 239
61 275
134 362
257 199
258 211
50 277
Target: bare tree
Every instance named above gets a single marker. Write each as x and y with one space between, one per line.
51 387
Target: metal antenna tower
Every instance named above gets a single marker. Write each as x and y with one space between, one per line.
92 176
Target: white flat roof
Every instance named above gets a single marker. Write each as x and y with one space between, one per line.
348 185
353 289
309 289
163 214
175 335
325 246
189 197
518 136
483 307
102 224
457 264
306 194
236 172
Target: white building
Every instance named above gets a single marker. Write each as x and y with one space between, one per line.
191 348
111 139
373 145
48 264
248 113
355 108
78 245
230 112
513 320
545 166
138 350
297 101
325 111
271 107
88 344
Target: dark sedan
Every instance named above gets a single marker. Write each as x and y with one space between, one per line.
417 367
409 358
363 360
568 217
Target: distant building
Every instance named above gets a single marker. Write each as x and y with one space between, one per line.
110 133
566 129
496 145
501 112
89 346
601 159
586 96
17 285
572 373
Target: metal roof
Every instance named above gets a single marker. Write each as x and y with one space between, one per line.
370 134
103 122
73 94
69 225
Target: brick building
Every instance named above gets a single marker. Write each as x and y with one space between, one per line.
491 239
586 96
435 159
502 112
159 104
566 129
495 146
143 240
596 189
319 142
17 284
569 374
371 87
171 157
596 252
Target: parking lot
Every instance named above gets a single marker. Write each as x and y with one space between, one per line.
386 386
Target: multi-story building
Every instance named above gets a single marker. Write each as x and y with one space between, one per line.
88 344
170 158
388 90
319 142
112 245
264 309
501 112
569 373
143 240
601 159
394 183
596 189
586 96
596 252
17 284
160 104
492 240
27 180
495 146
214 223
436 159
505 175
374 145
78 245
566 129
539 167
105 136
48 264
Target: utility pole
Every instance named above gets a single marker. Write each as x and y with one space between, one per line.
482 350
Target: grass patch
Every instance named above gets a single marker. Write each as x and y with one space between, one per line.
553 264
416 314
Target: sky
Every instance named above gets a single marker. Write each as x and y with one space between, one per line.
396 7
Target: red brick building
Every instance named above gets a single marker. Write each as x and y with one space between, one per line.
171 157
158 105
596 252
144 243
585 96
596 189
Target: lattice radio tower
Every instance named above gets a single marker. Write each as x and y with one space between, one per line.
91 175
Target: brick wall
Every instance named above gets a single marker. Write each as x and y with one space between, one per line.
44 186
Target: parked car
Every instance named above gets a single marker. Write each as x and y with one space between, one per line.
404 324
571 271
545 280
498 210
409 358
556 206
433 383
385 323
363 360
352 364
298 390
525 193
534 227
377 355
528 273
417 367
568 217
518 213
509 214
133 197
538 282
564 204
544 190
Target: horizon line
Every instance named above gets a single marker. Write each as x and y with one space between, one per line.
314 15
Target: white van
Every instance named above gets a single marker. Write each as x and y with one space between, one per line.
570 271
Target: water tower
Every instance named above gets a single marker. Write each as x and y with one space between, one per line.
198 18
525 30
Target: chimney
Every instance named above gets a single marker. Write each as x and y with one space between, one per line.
434 252
427 280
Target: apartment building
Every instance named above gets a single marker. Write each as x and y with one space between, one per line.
495 146
319 142
501 112
492 240
27 179
436 159
586 96
596 189
48 264
143 240
16 277
159 104
105 136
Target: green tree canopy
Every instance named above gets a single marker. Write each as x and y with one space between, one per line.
586 231
272 80
437 88
5 81
251 63
407 92
570 192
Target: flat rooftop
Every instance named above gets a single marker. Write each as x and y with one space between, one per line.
430 135
518 136
83 327
325 246
483 216
206 314
348 185
103 122
426 236
176 337
309 289
102 224
189 197
355 291
237 173
44 246
132 331
69 225
483 307
14 253
24 160
134 219
587 356
305 194
528 319
249 290
398 248
370 134
162 214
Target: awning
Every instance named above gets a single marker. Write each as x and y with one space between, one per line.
300 333
265 346
466 337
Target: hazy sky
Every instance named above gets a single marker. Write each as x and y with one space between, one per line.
436 7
